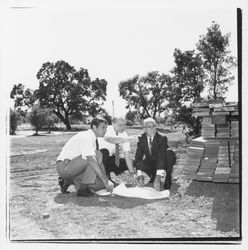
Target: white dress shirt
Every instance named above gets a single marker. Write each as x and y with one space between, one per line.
110 146
83 143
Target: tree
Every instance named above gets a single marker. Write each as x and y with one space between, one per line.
184 116
68 92
131 115
217 60
186 87
146 94
41 118
188 80
107 116
14 121
23 98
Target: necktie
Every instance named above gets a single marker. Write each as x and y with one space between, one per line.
97 145
117 154
150 144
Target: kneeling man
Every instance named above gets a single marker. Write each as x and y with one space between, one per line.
152 156
80 161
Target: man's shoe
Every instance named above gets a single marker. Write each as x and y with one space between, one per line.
63 185
167 183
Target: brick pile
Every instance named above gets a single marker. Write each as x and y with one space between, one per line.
215 155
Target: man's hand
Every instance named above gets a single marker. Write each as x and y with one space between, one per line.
133 178
141 181
157 183
109 186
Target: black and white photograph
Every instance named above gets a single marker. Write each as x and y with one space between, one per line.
123 122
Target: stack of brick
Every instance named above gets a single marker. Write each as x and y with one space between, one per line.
208 128
234 174
193 159
234 129
208 162
223 169
218 159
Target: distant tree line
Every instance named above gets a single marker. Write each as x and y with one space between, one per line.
65 93
208 66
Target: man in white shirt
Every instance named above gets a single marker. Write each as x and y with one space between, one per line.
116 150
80 161
152 156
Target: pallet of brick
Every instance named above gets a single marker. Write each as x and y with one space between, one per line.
200 105
201 111
219 119
234 131
223 130
208 129
206 170
216 105
198 142
222 171
193 160
231 104
209 160
235 170
235 113
224 109
211 148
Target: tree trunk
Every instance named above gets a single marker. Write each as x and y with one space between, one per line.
65 119
67 124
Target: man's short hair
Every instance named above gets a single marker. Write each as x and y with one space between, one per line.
149 119
97 121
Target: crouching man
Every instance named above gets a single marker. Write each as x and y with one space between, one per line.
152 157
80 161
116 150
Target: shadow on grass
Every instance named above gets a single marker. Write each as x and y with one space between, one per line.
226 203
101 201
107 201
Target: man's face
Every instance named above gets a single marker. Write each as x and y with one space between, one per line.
119 125
150 128
101 130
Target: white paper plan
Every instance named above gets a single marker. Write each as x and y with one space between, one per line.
136 192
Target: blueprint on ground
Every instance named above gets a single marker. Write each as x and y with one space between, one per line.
136 192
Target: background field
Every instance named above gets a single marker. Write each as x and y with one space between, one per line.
194 209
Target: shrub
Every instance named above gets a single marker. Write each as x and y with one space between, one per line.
129 123
41 118
14 121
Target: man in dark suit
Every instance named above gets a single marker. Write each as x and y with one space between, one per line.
153 158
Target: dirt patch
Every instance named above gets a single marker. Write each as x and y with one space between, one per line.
39 211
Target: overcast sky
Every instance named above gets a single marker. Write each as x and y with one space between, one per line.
113 41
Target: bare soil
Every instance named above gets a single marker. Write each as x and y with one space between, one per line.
37 209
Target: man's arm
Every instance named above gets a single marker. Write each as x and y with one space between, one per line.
161 163
119 140
92 161
139 154
129 161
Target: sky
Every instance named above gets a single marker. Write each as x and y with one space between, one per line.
114 40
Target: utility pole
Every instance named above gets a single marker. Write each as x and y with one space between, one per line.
113 104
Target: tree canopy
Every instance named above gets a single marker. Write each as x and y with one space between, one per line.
217 61
23 98
146 94
188 79
68 92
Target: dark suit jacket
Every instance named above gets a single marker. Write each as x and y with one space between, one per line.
158 154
